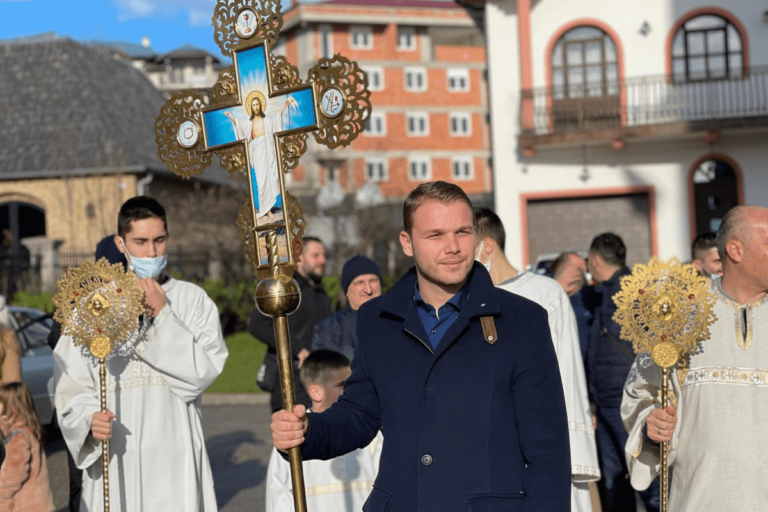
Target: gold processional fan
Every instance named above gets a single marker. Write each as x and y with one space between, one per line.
664 309
98 306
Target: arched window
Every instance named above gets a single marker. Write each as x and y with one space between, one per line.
585 80
715 191
584 64
707 47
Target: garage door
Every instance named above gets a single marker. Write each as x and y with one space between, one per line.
556 225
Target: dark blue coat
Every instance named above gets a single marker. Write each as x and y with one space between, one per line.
472 426
609 358
337 332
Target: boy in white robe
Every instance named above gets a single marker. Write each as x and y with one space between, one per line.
550 295
341 484
716 425
158 459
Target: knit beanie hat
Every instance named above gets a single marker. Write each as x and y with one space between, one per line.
357 266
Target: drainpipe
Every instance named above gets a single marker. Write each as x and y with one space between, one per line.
143 182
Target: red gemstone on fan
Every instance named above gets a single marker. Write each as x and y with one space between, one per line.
119 290
98 330
74 294
106 281
663 337
641 292
691 296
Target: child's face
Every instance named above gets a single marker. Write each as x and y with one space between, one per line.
333 389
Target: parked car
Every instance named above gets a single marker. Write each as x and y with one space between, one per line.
32 327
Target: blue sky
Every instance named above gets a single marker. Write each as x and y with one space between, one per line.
168 23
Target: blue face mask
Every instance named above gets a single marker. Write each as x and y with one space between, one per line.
146 267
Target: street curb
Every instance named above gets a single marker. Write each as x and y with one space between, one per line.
236 398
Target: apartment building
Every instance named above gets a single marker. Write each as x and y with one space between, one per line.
648 119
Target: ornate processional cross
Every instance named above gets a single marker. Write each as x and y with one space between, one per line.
256 120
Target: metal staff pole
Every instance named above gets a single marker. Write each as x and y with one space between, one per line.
278 296
105 442
664 477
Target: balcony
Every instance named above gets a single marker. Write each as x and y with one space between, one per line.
642 107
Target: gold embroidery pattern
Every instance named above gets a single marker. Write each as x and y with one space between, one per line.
585 470
744 341
574 426
720 375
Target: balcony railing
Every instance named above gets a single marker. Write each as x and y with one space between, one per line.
642 101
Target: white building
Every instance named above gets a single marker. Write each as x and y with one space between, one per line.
648 119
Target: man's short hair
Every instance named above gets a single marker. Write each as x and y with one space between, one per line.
319 365
610 248
488 224
731 228
560 262
139 208
432 191
306 239
703 243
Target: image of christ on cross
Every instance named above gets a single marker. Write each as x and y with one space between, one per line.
259 130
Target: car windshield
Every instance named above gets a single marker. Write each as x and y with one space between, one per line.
34 326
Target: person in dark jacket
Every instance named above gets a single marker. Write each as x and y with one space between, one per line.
361 282
609 359
461 376
315 306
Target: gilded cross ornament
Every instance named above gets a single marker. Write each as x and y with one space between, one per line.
98 305
256 119
665 308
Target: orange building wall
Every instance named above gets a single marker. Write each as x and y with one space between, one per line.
398 102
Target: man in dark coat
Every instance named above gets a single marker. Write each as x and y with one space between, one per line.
315 306
361 282
461 376
609 359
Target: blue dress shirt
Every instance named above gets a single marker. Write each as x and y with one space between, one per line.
437 322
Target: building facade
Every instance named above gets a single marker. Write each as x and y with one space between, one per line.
426 66
79 141
647 119
186 67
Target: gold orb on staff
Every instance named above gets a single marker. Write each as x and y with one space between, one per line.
98 305
664 308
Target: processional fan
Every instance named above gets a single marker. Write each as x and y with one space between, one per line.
98 305
665 309
256 119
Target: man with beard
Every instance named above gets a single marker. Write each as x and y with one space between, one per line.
461 376
705 257
315 305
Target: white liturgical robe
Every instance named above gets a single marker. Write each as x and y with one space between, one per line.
337 485
158 459
550 295
718 453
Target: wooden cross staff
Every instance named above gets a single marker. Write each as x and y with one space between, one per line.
256 119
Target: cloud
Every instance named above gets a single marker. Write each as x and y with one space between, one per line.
199 11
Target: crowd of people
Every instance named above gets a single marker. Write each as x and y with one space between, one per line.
469 385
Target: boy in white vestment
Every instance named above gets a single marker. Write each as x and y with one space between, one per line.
550 295
716 425
158 459
338 485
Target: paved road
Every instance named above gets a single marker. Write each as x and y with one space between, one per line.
239 444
